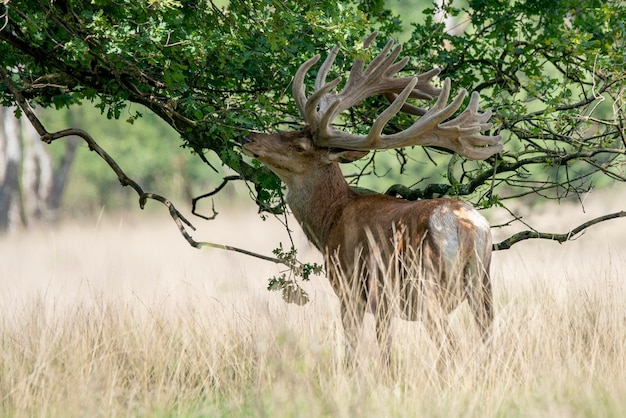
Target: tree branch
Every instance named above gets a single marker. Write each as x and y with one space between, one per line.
500 167
181 222
568 236
195 200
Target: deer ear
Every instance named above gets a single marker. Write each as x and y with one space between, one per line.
345 156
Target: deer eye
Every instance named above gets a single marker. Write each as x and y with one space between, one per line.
298 148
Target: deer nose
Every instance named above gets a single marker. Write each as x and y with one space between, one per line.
243 142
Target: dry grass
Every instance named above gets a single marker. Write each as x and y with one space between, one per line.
119 317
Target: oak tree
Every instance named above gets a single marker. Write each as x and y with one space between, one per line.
553 72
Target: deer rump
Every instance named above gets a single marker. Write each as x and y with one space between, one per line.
428 258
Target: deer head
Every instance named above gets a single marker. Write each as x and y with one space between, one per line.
289 154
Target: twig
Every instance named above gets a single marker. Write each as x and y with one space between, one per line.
195 200
524 235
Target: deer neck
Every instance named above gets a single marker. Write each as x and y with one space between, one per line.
317 199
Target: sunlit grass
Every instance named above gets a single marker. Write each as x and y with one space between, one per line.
135 327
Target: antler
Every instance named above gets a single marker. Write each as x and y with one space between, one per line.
461 134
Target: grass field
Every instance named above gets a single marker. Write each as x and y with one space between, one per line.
118 316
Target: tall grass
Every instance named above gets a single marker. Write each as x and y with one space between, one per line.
122 319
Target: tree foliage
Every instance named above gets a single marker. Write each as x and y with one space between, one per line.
553 72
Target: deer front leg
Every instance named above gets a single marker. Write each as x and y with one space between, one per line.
383 330
379 301
352 296
352 313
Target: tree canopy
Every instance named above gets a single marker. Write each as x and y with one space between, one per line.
553 72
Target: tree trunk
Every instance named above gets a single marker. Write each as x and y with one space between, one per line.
29 187
10 156
61 174
36 173
62 171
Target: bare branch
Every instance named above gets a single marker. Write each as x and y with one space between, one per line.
195 200
568 236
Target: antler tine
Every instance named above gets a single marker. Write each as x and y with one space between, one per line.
397 67
311 115
307 106
369 39
384 59
425 90
298 89
391 69
391 111
357 67
445 111
471 112
323 71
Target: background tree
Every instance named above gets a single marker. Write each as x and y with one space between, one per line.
553 72
30 186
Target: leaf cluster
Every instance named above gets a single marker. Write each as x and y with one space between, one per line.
287 281
210 72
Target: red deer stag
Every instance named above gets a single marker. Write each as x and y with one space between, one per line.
426 257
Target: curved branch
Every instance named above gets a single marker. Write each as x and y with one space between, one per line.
181 222
568 236
501 166
195 200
